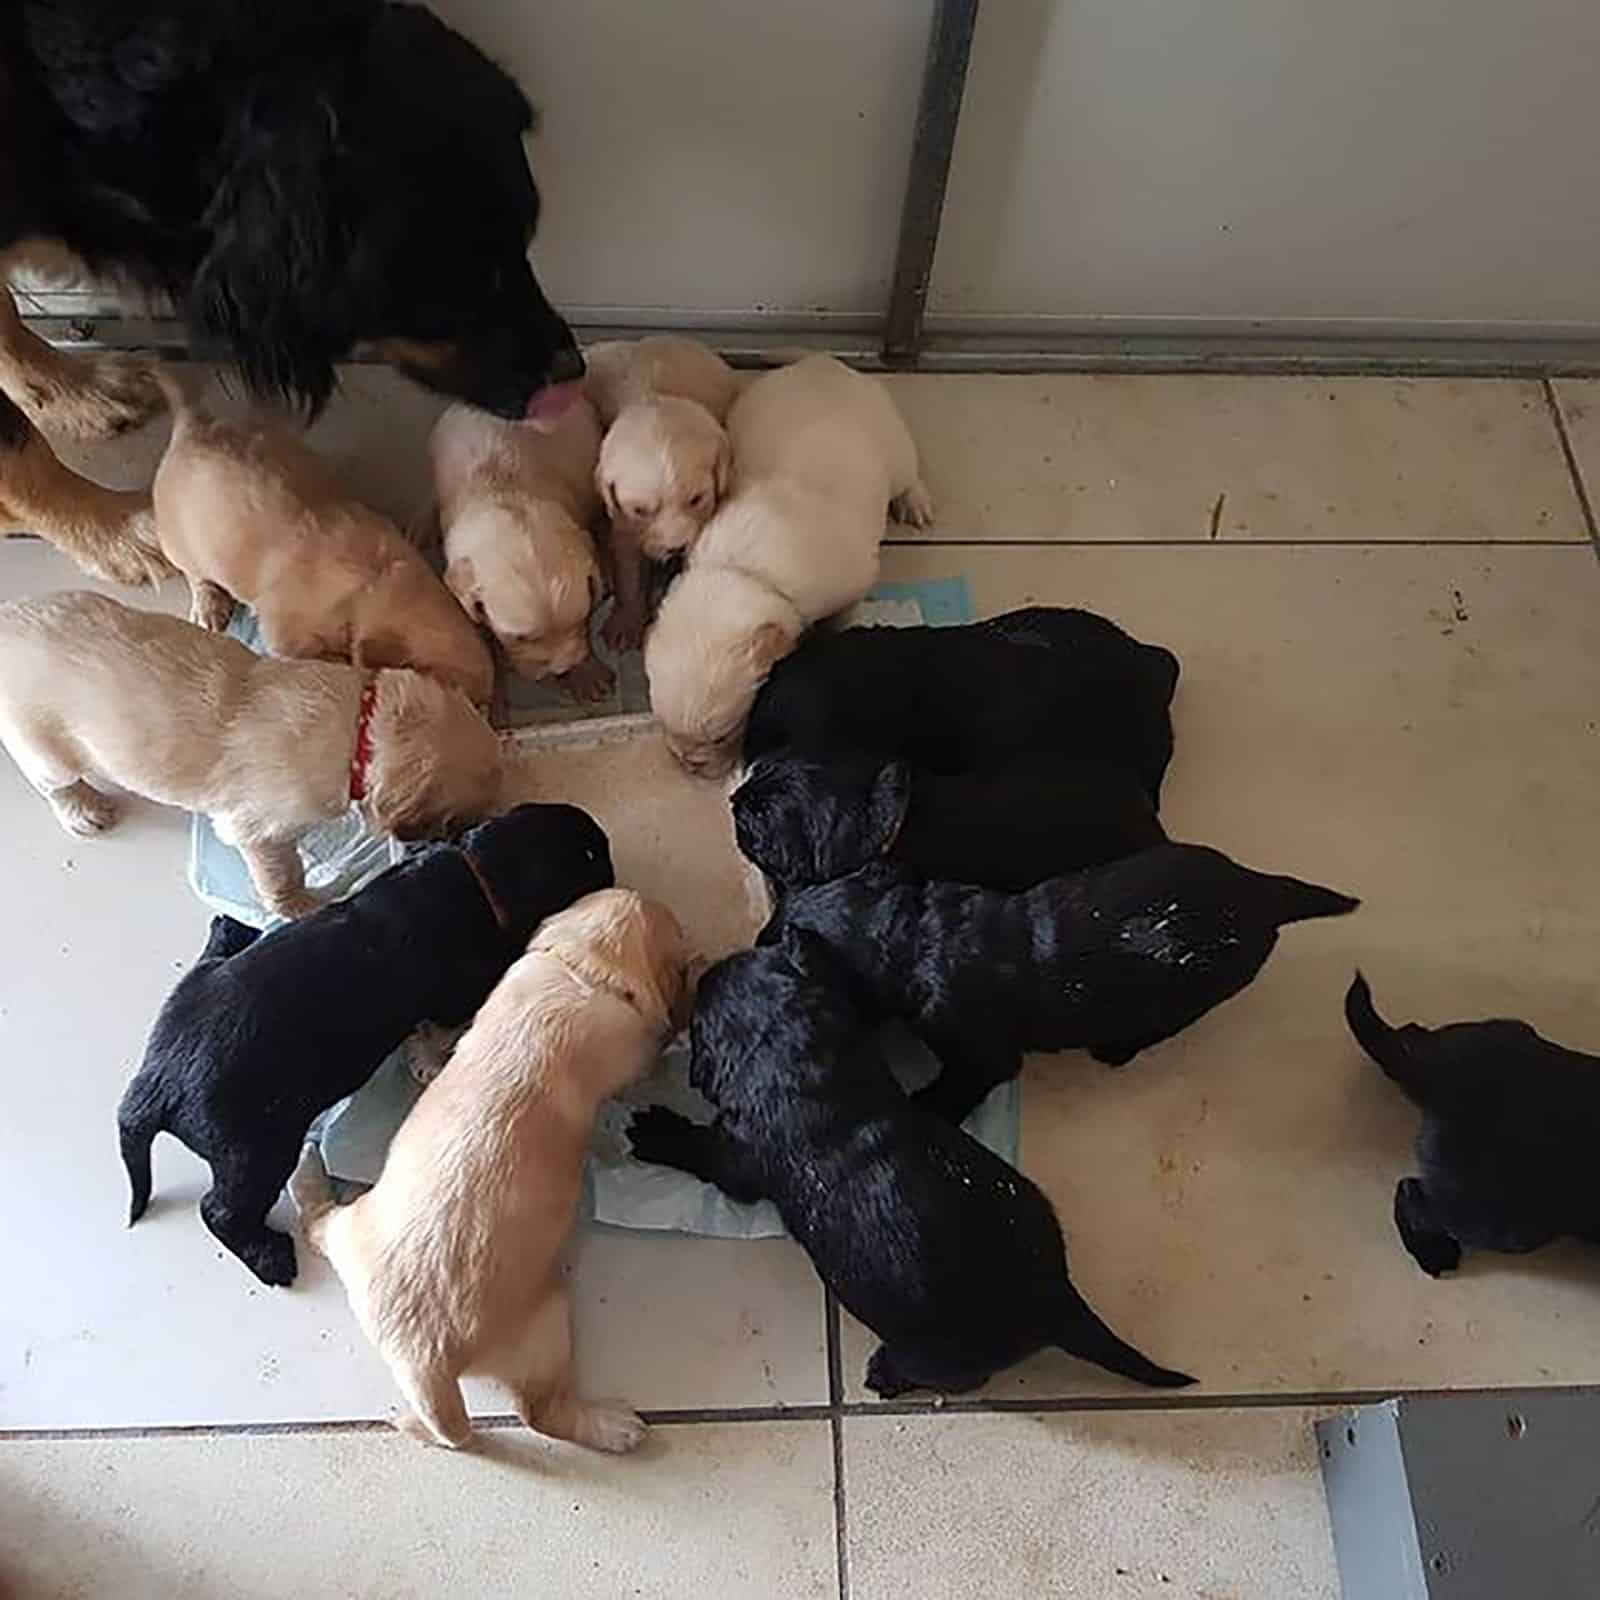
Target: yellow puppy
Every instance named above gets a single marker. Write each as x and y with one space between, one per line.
251 514
452 1260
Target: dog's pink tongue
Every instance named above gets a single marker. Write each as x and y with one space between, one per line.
551 403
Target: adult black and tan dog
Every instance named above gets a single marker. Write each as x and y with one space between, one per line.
263 1033
954 1259
1112 960
301 178
1510 1123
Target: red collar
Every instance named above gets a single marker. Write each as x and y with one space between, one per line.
488 893
362 754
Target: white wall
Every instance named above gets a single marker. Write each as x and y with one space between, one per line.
1420 161
714 156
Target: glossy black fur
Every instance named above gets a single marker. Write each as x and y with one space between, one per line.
299 176
974 698
804 821
265 1032
1111 960
954 1259
1510 1127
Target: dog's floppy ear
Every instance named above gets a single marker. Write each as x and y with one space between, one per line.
768 645
461 579
271 284
890 801
722 468
608 495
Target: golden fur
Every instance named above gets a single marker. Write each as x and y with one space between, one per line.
821 458
252 514
665 462
516 505
452 1260
91 689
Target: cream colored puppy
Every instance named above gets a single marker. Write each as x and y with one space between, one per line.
822 456
251 514
516 505
267 749
452 1260
665 461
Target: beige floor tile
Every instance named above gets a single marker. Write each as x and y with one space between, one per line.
1414 725
701 1511
1579 399
1217 1505
1081 457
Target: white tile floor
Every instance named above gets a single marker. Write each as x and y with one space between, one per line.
1390 630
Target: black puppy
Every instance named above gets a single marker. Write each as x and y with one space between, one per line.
973 698
299 178
805 821
263 1033
954 1259
1510 1124
1112 960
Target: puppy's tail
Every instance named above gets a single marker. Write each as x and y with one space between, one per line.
140 1118
1290 900
1081 1333
1391 1048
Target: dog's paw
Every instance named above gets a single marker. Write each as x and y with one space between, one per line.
588 682
659 1135
296 903
612 1428
622 631
883 1378
123 551
93 396
273 1259
914 508
84 812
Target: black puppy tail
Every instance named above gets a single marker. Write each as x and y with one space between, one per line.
1081 1333
138 1122
1290 900
1389 1047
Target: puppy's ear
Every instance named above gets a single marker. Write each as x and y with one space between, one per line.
891 800
378 649
461 579
608 495
272 285
768 645
722 468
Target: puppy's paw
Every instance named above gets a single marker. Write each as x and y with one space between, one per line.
210 607
296 903
914 508
883 1378
612 1428
272 1259
124 551
660 1136
622 631
589 681
413 1427
85 812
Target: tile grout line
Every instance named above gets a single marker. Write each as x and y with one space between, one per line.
838 1413
1574 470
836 1408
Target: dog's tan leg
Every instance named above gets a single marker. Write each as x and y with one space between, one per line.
623 630
438 1414
543 1396
81 396
279 877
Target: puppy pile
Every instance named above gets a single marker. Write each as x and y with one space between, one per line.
959 829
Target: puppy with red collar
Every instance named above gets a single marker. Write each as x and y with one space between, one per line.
93 690
265 1032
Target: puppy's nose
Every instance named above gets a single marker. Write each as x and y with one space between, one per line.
566 365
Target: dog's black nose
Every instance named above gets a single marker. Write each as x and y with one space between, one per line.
566 365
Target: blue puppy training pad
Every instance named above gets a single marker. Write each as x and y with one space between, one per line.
339 856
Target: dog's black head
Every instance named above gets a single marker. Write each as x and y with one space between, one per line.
376 193
538 859
806 822
786 1003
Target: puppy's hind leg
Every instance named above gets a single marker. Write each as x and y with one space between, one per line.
1430 1246
243 1190
82 810
542 1391
913 506
438 1414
